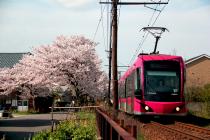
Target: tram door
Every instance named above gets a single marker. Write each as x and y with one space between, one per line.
130 93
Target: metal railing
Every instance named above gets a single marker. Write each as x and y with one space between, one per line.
109 129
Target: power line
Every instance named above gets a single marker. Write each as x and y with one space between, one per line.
139 47
108 25
119 14
101 16
102 24
152 15
159 14
146 34
144 38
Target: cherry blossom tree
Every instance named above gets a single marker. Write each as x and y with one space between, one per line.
70 61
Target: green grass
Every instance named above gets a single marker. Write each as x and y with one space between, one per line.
22 113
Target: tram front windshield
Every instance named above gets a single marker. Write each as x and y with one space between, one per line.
162 81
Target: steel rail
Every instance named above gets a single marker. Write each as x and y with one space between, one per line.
200 130
181 133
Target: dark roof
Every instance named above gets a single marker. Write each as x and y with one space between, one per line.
196 58
8 60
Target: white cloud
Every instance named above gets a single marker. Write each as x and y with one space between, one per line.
73 3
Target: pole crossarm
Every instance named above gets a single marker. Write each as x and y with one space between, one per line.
120 66
134 3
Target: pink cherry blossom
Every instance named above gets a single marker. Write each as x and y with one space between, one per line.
69 61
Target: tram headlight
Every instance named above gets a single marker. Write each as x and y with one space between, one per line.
177 109
146 108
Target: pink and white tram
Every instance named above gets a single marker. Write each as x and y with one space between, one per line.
153 85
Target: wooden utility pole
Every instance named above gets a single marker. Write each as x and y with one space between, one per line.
114 54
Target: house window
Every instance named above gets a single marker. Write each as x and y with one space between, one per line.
23 103
20 103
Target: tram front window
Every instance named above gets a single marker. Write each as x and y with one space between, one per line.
158 82
162 81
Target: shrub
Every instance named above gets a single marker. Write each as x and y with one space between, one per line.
41 136
202 95
198 94
85 129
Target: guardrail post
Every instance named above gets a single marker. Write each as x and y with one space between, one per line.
134 131
110 130
103 128
128 128
114 135
122 123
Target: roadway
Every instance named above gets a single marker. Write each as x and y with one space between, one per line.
22 127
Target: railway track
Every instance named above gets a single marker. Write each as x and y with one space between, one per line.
152 130
183 131
205 133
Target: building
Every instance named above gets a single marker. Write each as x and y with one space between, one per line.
198 71
8 60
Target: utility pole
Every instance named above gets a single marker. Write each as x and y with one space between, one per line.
110 74
114 42
114 54
110 61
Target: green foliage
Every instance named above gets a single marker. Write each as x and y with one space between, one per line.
201 95
86 115
140 136
83 128
41 136
204 112
84 133
198 94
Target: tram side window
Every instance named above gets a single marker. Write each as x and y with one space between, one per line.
138 82
129 85
137 79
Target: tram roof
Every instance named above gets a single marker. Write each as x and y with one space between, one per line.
149 57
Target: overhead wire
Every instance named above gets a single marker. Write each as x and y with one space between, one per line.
107 25
102 25
144 38
159 14
146 33
150 20
100 19
118 18
139 47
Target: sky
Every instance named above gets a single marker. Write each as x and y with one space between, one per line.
26 24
